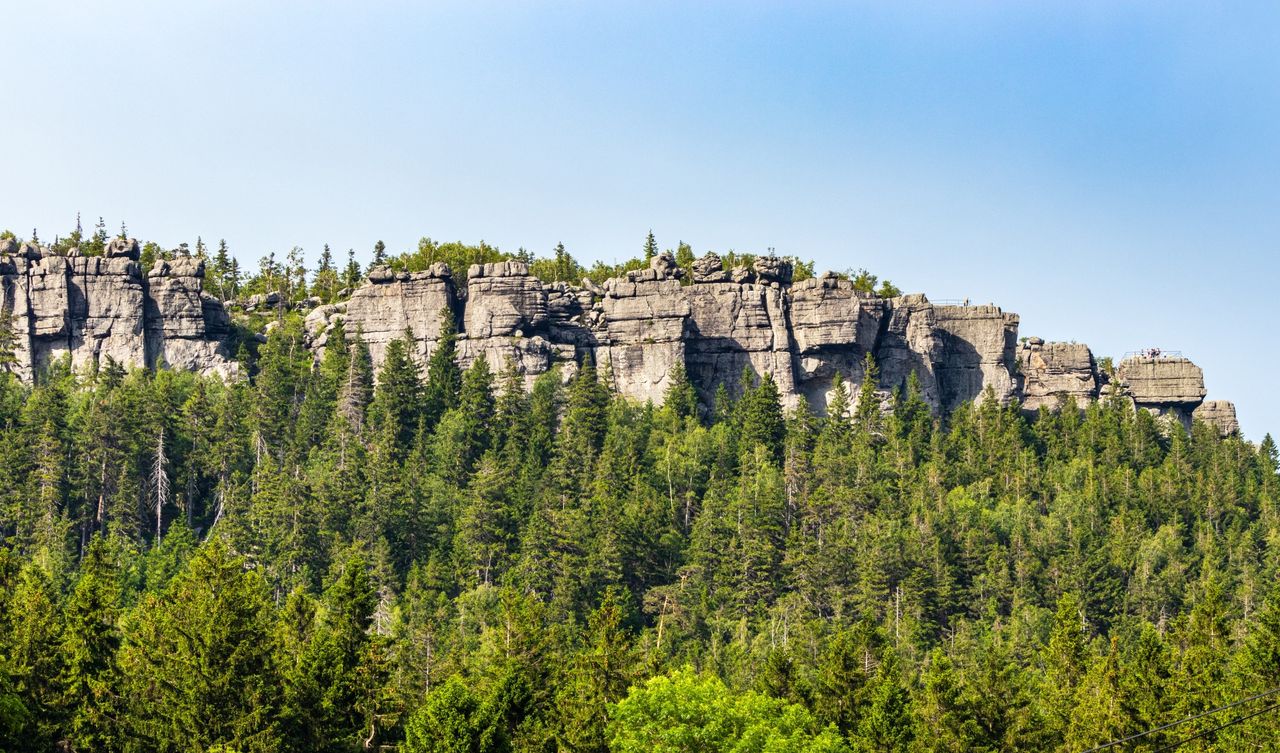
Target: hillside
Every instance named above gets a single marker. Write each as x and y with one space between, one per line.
970 542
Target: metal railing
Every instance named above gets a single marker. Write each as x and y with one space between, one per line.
1153 353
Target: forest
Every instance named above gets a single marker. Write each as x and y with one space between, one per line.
302 559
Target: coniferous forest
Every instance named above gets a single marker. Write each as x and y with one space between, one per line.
304 560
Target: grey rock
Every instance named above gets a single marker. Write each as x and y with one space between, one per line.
1052 373
502 300
773 269
978 352
709 268
638 327
664 264
1161 381
122 248
1220 414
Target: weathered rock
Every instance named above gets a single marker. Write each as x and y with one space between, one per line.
664 264
502 300
383 311
639 328
910 342
709 269
91 309
644 329
1220 414
735 326
122 248
1052 373
1162 381
772 269
978 351
381 274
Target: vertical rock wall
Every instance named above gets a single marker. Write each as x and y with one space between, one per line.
92 309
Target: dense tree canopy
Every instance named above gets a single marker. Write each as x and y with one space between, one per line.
455 559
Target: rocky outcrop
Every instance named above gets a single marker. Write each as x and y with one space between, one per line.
644 316
717 325
639 327
978 352
1053 373
1220 414
393 304
1162 384
96 309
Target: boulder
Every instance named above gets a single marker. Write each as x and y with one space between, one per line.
773 269
709 269
122 248
664 264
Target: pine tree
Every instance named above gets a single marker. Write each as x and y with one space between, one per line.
488 523
398 400
89 679
8 341
650 246
444 378
760 413
597 677
324 691
214 614
680 397
325 283
351 273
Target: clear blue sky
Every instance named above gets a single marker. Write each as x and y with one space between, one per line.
1108 170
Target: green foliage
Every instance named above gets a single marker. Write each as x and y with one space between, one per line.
462 561
685 711
200 661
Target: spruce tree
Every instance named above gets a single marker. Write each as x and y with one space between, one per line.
444 378
199 661
398 400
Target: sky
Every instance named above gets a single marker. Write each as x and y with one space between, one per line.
1108 170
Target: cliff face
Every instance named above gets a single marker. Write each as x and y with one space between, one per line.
105 307
638 328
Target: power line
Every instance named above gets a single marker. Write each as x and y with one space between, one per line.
1222 726
1201 715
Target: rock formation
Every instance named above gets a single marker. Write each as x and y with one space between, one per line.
1220 414
638 328
1051 373
95 308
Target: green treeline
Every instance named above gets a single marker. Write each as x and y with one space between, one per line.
448 561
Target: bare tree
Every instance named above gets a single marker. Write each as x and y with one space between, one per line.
160 481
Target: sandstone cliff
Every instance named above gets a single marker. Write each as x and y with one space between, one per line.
104 307
638 328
